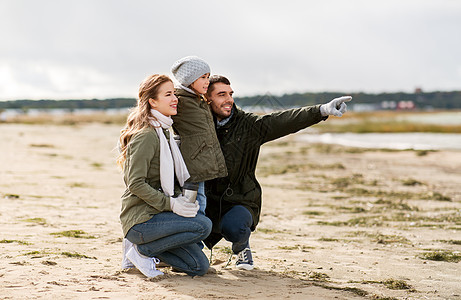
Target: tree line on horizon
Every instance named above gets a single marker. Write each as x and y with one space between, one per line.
422 100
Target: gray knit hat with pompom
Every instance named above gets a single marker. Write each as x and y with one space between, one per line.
188 69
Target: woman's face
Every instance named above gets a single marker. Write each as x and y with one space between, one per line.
166 102
201 84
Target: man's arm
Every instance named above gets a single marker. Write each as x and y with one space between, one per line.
278 124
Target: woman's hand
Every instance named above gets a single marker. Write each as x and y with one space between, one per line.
181 207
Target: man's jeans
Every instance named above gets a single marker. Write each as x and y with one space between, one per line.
173 239
201 197
235 227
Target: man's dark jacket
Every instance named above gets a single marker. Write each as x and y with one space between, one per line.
240 139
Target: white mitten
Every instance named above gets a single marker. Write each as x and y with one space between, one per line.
335 107
181 207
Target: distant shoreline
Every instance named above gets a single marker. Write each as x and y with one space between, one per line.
441 121
363 101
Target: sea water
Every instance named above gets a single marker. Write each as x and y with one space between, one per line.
400 141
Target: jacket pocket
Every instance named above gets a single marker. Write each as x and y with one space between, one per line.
198 150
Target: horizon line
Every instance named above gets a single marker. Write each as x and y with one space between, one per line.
245 96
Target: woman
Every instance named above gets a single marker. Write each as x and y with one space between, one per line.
157 220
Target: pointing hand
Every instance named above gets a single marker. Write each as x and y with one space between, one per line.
335 107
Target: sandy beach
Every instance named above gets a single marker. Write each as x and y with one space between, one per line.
337 223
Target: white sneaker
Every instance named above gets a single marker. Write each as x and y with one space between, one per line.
145 265
126 263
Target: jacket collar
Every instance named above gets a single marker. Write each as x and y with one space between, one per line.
224 121
182 92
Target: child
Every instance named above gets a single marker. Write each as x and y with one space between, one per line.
194 123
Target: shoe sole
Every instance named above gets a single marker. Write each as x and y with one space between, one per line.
126 266
245 267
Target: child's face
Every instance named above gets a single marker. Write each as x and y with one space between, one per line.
201 84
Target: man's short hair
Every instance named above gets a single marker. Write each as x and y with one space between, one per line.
215 79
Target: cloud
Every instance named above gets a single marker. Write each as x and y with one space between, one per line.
104 48
46 80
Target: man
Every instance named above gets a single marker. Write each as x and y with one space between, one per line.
234 201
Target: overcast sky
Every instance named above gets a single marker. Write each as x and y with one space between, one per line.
58 49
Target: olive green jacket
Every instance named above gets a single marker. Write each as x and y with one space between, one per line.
143 196
199 145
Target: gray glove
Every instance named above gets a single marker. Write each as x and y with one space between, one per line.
335 107
182 207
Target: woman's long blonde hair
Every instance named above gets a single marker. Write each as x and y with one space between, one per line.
138 119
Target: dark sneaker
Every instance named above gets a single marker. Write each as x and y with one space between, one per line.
245 260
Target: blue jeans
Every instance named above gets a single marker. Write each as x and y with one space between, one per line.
201 197
173 239
235 227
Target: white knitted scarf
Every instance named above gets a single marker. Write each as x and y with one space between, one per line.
171 161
